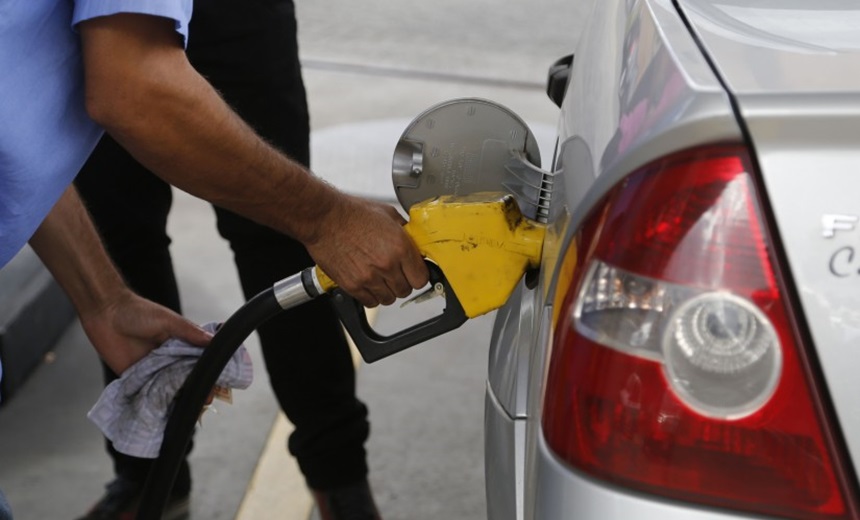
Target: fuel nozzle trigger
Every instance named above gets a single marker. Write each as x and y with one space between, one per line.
374 346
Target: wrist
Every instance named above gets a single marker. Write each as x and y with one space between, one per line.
98 293
325 214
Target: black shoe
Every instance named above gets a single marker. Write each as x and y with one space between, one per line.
353 502
122 498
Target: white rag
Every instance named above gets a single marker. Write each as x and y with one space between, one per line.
132 411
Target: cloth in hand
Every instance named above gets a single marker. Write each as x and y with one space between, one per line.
132 411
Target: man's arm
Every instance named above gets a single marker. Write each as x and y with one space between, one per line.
122 326
142 89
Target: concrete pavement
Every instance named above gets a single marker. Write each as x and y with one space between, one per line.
370 67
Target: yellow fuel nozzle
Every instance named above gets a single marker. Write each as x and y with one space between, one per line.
479 247
482 242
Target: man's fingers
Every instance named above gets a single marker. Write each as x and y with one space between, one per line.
189 332
382 294
415 271
365 297
400 286
391 285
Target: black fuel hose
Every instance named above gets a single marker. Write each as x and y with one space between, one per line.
285 294
192 397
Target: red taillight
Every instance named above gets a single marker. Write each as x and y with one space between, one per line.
675 368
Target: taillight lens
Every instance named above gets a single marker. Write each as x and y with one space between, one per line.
675 368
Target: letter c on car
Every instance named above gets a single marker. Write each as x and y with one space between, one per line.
842 252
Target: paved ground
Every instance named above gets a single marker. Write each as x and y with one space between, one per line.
369 67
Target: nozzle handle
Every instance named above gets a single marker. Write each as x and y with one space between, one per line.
374 346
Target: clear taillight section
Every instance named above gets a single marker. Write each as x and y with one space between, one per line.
675 367
720 353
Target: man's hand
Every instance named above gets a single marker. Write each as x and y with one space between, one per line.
125 330
362 246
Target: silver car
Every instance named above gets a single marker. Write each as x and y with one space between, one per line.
690 348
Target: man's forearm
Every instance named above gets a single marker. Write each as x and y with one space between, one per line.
142 89
122 326
69 246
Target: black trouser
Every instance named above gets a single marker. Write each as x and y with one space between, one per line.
247 49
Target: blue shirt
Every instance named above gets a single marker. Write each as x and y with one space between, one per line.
45 133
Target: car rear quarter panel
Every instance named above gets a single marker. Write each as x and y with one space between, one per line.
640 89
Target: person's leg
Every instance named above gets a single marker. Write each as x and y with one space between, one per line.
308 360
311 372
306 354
129 206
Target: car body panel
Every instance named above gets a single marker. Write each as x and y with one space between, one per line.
504 474
786 47
508 367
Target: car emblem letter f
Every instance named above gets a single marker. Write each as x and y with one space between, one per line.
832 223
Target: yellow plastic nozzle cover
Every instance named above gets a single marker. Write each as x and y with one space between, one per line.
482 243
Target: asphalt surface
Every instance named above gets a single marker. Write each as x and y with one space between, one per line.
370 67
